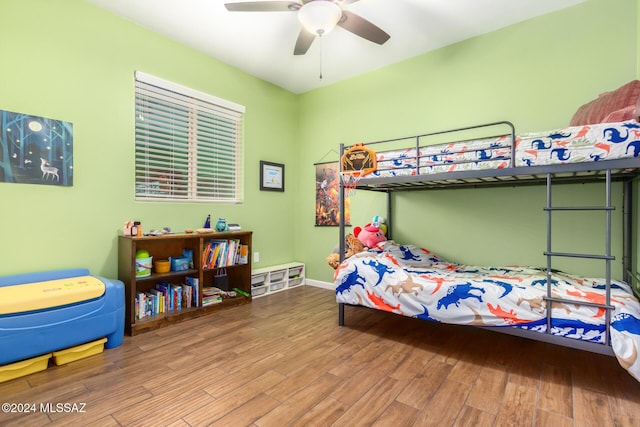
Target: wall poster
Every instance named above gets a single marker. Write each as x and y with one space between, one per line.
327 195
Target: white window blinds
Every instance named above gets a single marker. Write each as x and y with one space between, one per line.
189 144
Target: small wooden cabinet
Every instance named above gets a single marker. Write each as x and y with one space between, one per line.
226 278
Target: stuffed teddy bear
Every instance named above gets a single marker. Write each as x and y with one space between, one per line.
333 260
352 247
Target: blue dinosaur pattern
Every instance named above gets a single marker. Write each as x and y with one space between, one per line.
351 279
425 315
508 287
631 125
380 268
559 135
603 286
543 282
457 293
485 154
625 322
407 255
615 136
636 148
539 144
562 154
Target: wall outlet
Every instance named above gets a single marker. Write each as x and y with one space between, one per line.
256 257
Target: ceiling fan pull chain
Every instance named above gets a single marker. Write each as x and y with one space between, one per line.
320 37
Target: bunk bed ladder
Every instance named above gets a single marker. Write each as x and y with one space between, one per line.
607 257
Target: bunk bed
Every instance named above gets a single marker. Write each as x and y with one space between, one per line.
595 314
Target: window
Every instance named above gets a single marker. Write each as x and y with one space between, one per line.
188 144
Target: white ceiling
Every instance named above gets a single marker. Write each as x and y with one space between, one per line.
261 43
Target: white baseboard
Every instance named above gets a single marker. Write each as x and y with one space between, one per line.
319 284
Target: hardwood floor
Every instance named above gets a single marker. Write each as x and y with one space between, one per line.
283 361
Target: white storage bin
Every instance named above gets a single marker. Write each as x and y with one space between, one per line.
296 282
256 292
277 275
276 286
295 271
258 279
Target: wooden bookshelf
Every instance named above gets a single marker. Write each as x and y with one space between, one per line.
172 245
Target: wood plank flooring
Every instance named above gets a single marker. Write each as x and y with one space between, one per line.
283 361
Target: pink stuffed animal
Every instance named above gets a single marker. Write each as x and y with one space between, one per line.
370 235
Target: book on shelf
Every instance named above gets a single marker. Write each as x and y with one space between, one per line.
176 295
219 253
165 288
232 253
147 304
193 283
243 257
211 295
168 297
139 305
151 306
160 304
186 296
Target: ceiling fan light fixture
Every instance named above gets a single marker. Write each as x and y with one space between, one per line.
319 17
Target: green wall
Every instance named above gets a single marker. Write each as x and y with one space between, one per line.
72 61
69 60
534 74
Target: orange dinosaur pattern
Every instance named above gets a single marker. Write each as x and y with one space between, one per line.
509 317
603 146
379 302
583 132
392 259
439 281
592 297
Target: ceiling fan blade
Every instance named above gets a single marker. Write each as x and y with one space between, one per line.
363 28
263 6
305 38
346 1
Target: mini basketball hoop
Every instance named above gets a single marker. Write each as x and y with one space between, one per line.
355 163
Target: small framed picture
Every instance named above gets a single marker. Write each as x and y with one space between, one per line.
271 176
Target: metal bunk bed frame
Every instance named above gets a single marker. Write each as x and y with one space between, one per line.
601 171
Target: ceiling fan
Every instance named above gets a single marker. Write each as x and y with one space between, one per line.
317 17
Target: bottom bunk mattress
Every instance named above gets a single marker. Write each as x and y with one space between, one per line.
414 282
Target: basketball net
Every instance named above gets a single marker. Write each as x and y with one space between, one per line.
350 181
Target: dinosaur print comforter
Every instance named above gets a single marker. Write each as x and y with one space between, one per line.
414 282
576 144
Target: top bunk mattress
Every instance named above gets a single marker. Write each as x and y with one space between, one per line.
576 144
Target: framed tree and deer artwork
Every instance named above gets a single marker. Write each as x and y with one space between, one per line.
35 150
